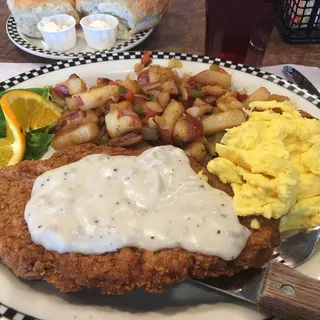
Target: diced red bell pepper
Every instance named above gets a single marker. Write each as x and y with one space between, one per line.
126 94
146 59
129 95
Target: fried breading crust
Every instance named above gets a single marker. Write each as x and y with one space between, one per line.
111 273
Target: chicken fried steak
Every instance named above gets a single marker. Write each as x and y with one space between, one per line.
117 272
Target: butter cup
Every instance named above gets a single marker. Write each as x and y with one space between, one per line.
62 40
100 39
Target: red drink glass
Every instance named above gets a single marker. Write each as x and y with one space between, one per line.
239 30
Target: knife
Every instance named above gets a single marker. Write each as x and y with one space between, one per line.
297 77
277 290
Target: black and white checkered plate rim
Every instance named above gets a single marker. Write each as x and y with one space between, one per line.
16 38
102 57
7 313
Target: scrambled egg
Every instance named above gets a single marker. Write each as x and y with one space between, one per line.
272 162
255 224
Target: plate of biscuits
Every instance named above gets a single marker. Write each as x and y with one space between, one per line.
135 22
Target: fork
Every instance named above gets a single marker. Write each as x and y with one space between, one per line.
296 247
277 289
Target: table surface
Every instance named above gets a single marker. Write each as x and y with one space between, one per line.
172 35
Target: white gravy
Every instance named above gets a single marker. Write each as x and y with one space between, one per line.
153 201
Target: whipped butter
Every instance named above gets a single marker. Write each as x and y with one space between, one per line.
99 24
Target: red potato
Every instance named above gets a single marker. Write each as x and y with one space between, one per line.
168 119
94 87
262 94
152 124
194 112
159 73
62 90
177 78
222 121
170 87
199 111
216 110
81 134
196 150
138 67
215 91
57 98
75 84
104 82
236 104
164 99
187 87
143 77
154 94
229 101
140 98
242 95
203 139
209 77
73 119
154 106
188 104
96 97
198 102
131 85
201 103
150 134
128 139
210 100
199 108
120 122
69 87
174 63
102 138
226 99
69 103
187 129
183 92
212 142
149 87
230 93
103 110
121 105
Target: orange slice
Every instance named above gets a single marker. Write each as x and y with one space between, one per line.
12 147
31 110
23 111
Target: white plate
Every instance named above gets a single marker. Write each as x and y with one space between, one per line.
182 302
39 48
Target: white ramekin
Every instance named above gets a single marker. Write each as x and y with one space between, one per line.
62 40
100 39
